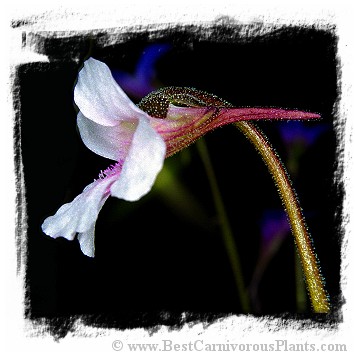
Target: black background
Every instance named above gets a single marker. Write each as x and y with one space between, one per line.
152 263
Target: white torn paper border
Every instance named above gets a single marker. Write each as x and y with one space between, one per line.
74 18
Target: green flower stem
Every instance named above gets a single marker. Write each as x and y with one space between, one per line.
311 271
301 294
227 234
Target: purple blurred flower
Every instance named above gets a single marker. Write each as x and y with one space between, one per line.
274 230
274 225
141 83
298 132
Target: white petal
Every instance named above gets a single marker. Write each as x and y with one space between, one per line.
87 242
111 142
142 165
81 214
100 98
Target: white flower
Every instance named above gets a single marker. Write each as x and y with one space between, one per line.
112 126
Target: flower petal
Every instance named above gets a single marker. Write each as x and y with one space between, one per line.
100 98
87 242
142 165
111 142
80 215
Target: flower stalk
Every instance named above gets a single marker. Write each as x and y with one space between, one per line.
314 280
159 103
